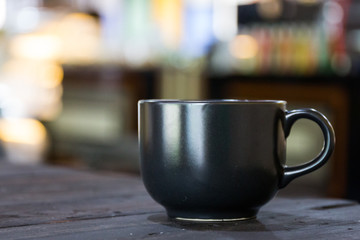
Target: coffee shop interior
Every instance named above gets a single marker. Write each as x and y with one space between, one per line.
72 71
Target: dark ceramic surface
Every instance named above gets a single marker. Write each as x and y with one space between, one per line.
220 159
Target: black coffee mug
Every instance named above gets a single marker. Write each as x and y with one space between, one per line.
220 160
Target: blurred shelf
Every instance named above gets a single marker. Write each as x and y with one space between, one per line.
98 122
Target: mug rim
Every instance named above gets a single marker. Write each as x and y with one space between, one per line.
211 101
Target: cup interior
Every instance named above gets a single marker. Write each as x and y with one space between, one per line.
213 101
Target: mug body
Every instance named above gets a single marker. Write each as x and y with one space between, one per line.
212 160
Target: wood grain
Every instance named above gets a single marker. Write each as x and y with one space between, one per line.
45 202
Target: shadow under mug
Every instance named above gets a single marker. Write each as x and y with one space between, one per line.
220 160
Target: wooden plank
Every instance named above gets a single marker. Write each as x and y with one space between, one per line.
56 203
281 219
41 195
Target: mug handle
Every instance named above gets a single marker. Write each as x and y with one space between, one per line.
291 117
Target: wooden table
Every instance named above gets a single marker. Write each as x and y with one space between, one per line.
46 202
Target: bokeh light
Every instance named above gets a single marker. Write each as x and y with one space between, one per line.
244 47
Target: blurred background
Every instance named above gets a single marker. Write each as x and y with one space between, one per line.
72 71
